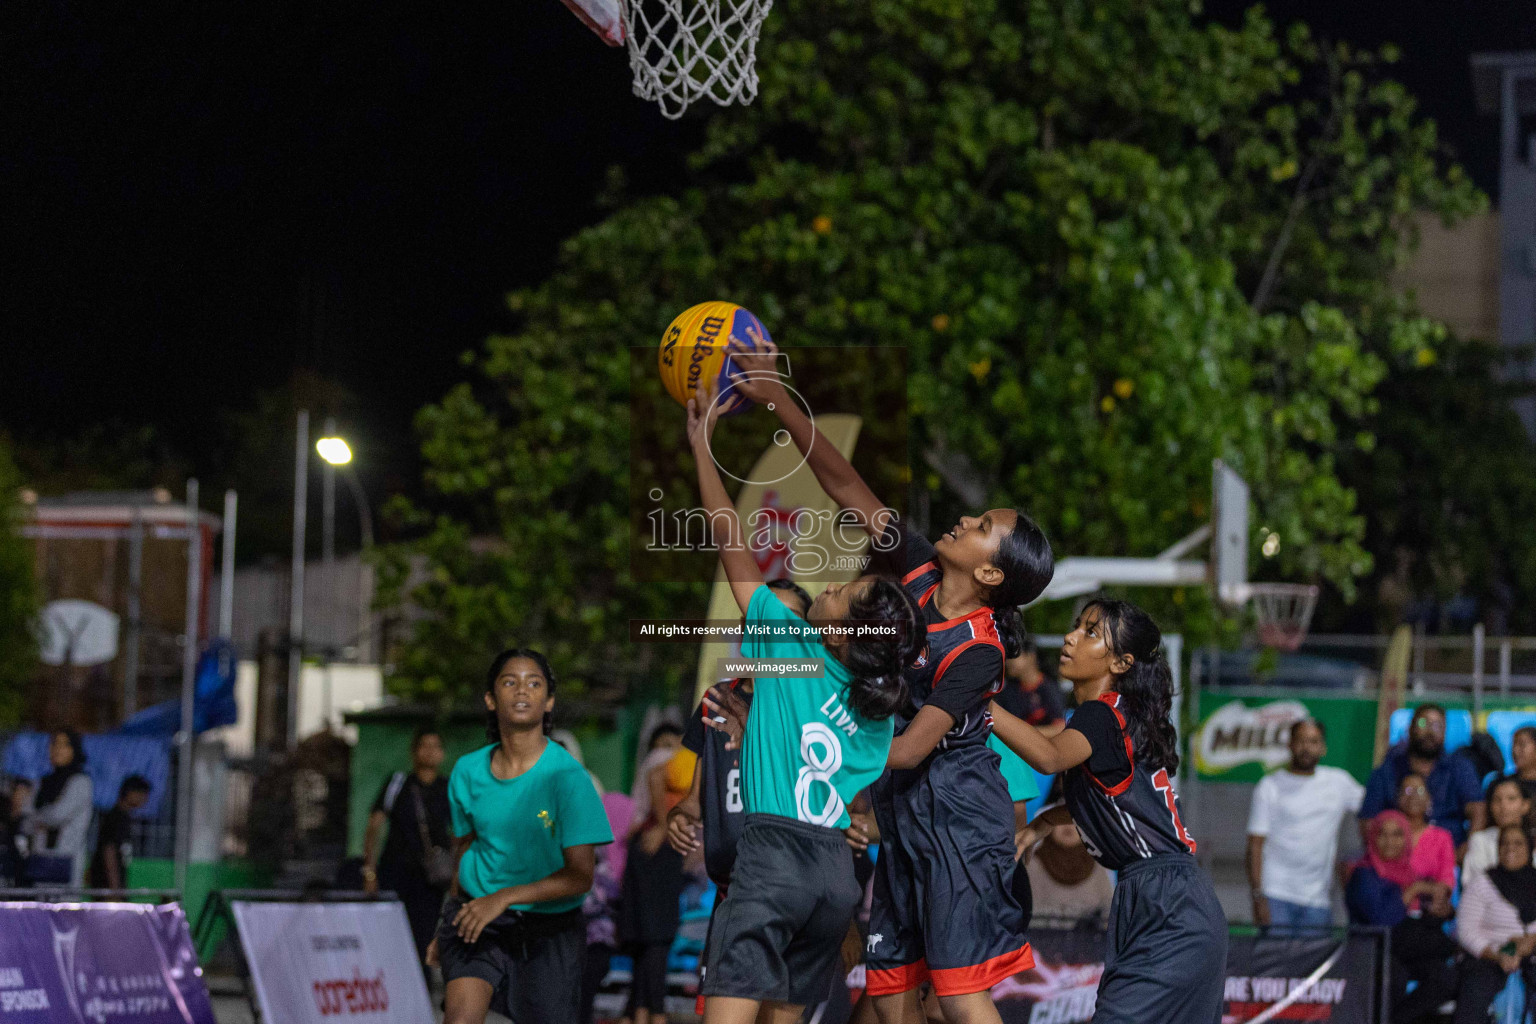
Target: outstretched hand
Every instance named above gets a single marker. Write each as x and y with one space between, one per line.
728 714
757 376
705 410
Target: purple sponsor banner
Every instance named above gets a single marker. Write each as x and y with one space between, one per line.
99 963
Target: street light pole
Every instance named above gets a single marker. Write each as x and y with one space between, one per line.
187 741
328 507
296 575
227 568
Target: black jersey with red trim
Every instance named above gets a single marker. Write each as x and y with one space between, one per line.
1124 812
720 806
961 668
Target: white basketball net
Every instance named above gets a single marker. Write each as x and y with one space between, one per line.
686 50
1284 611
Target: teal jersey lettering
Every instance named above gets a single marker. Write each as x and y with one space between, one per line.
806 753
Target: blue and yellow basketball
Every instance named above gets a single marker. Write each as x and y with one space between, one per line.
693 348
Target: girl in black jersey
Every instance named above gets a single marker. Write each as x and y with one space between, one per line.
1167 935
943 910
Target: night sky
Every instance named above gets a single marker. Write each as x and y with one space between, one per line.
200 198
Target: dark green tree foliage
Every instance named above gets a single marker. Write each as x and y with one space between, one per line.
1115 242
1451 492
18 595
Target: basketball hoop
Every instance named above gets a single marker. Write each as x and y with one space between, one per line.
1284 611
682 51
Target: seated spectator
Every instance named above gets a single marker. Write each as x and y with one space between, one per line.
1066 881
1455 792
1383 890
1507 805
1523 748
1497 926
1293 834
1429 846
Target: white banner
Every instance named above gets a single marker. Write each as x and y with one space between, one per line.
320 962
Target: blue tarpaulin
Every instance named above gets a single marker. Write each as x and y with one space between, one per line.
109 759
213 701
142 745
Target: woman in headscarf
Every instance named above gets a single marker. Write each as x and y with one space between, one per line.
1496 924
1384 890
60 817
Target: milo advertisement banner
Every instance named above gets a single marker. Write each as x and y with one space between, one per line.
1242 736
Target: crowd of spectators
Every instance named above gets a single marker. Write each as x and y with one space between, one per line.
1447 866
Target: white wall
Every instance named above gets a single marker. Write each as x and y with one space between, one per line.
324 693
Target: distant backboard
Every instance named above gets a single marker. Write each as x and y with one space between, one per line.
77 632
1229 535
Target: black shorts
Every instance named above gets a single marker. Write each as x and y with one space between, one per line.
777 934
945 907
1165 953
533 962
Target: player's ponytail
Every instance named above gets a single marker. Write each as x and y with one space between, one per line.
1024 556
878 689
1146 688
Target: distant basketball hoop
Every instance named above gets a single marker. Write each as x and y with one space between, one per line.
1284 611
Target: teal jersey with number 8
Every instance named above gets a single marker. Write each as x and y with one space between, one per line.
806 753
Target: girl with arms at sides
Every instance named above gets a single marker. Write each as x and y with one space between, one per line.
527 823
1119 753
944 907
811 744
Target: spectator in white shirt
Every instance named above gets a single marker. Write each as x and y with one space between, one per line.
1293 834
1507 805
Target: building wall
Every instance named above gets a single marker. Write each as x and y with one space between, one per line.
338 608
1455 274
326 693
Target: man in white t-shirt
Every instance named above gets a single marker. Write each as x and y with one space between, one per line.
1293 834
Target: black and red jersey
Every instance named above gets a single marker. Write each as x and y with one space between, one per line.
961 668
948 639
720 806
1123 811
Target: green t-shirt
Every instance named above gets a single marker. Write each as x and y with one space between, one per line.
523 825
806 753
1018 775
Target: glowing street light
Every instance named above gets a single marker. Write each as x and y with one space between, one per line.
334 450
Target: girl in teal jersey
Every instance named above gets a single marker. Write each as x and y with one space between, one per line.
813 741
527 822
